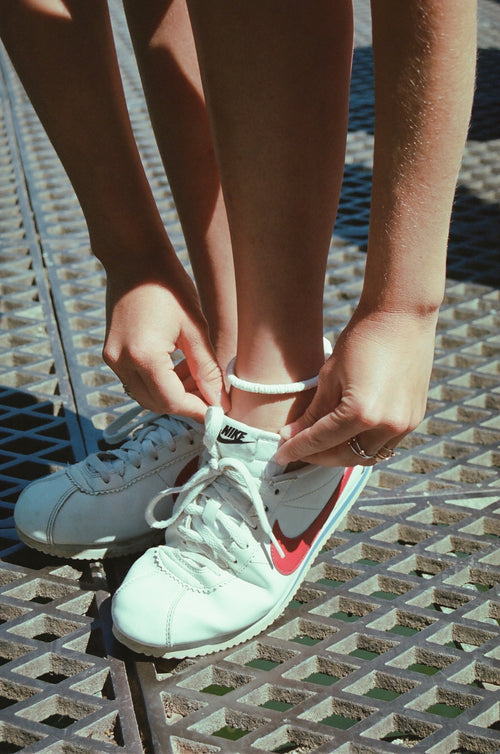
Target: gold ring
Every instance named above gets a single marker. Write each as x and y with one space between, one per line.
383 454
358 450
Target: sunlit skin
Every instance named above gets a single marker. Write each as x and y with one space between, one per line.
276 87
64 53
277 95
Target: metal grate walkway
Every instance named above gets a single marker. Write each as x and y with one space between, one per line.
393 641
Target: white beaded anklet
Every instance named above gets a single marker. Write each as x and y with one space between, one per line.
263 389
283 389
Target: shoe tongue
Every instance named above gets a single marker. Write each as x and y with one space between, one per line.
233 439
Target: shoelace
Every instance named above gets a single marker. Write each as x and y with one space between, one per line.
210 509
151 430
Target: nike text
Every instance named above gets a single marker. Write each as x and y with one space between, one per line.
231 434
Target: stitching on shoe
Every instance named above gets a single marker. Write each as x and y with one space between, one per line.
169 618
178 581
138 478
63 498
161 565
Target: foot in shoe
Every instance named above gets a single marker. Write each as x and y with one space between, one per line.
96 508
241 539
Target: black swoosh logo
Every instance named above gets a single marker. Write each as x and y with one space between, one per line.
230 441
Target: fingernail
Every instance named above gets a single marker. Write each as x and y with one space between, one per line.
285 433
278 457
224 401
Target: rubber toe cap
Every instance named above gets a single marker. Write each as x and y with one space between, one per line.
143 603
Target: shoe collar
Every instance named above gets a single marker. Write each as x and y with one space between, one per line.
228 438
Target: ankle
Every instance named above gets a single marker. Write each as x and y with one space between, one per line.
270 406
268 412
224 343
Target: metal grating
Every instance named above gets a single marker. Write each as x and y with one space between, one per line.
469 320
76 278
37 410
59 692
393 641
59 689
457 444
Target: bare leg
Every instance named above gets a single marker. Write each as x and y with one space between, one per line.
276 80
376 382
64 53
165 51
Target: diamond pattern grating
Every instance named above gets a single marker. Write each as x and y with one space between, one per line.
57 680
59 690
392 643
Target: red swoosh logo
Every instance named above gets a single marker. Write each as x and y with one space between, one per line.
295 549
186 473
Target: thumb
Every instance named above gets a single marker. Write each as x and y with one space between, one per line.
205 370
308 419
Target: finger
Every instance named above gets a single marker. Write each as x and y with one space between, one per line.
381 444
161 394
172 398
331 430
168 394
374 440
190 386
134 387
185 376
341 455
204 369
371 442
317 408
182 370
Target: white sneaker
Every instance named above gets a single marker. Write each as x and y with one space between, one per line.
243 535
96 508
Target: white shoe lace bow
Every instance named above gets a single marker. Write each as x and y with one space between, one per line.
210 511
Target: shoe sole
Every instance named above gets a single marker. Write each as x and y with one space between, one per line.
91 552
350 494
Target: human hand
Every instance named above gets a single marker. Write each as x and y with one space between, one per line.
148 319
374 387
